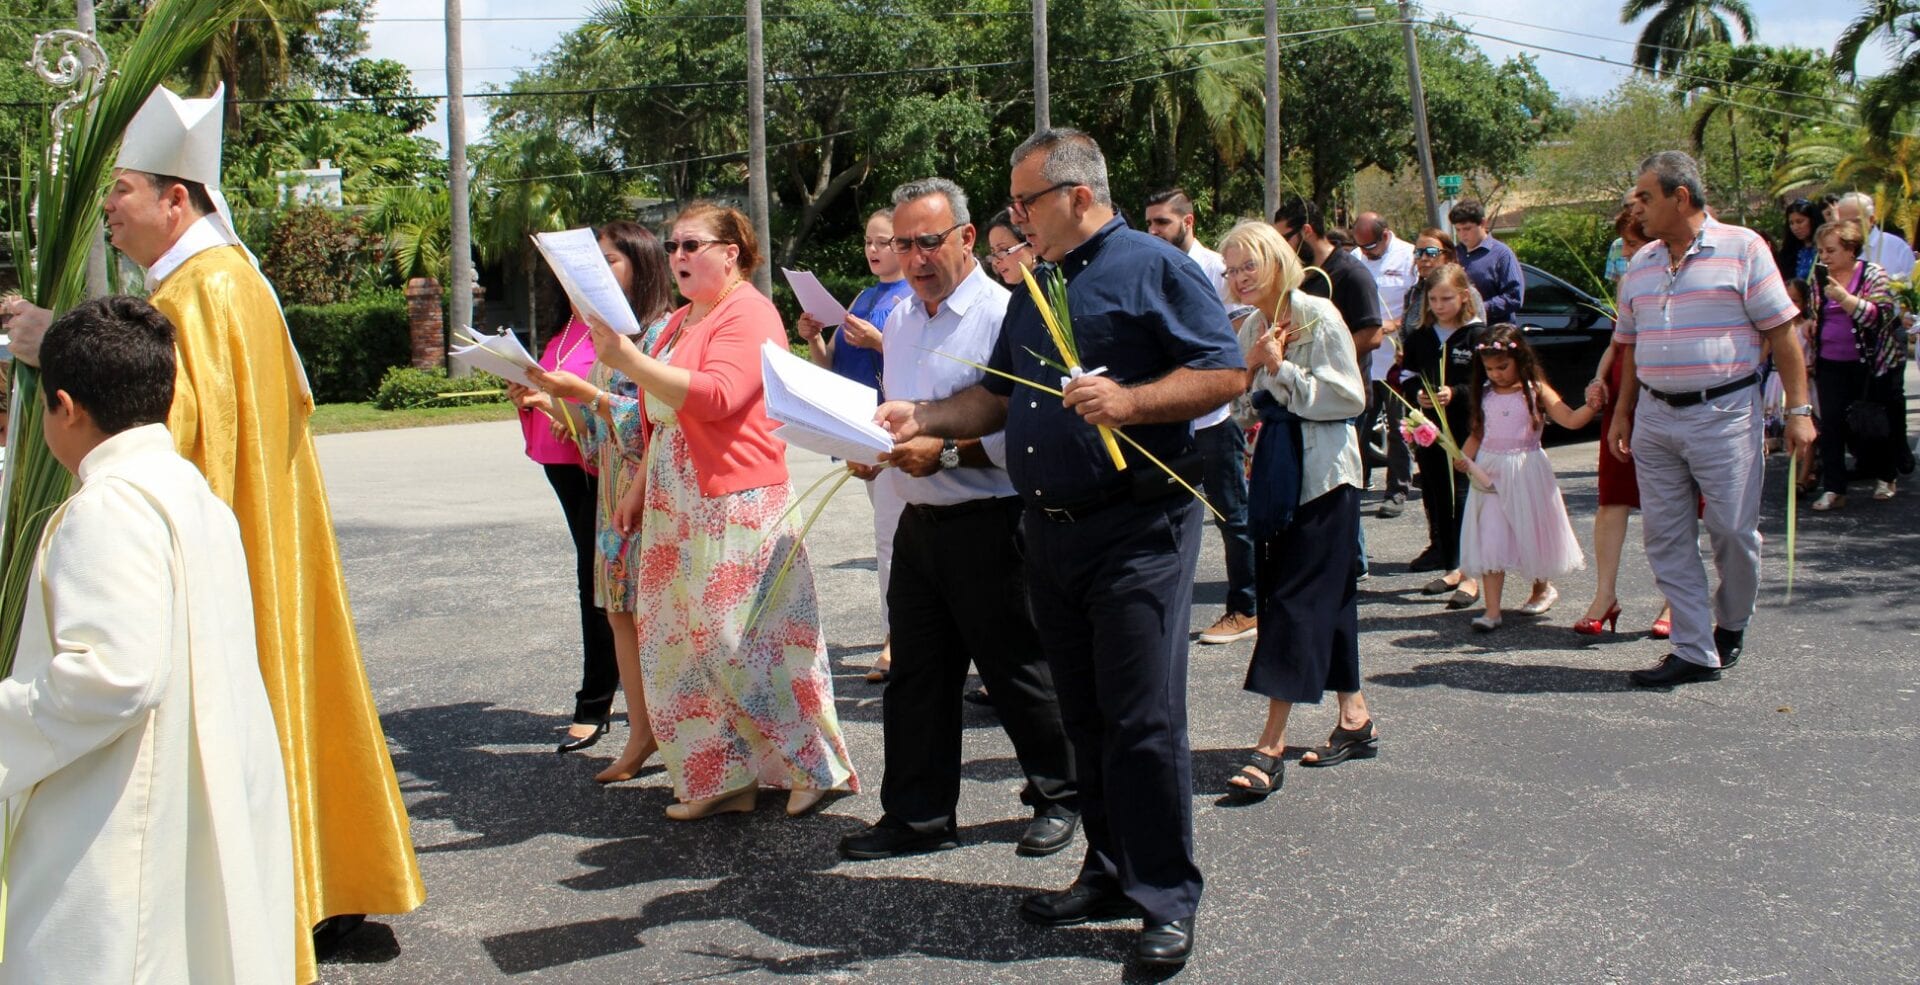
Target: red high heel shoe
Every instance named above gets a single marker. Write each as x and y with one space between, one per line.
1661 629
1591 627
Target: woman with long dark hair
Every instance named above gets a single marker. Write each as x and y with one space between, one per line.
1797 252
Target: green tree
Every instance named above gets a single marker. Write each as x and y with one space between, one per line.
1680 26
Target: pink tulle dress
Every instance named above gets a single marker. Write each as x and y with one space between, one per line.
1521 527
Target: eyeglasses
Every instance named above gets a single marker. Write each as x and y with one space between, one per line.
1246 268
927 242
998 255
1428 251
1018 205
689 246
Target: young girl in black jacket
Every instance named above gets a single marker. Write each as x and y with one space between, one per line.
1439 353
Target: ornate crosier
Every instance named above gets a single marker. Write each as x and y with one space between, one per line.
81 57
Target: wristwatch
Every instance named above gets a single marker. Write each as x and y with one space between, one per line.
1804 410
949 454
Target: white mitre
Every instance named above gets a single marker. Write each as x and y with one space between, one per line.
181 137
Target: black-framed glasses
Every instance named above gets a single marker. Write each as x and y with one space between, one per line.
1428 251
927 242
689 246
999 255
1018 205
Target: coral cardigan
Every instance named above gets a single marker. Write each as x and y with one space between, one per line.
725 415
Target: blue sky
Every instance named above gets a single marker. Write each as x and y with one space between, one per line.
503 36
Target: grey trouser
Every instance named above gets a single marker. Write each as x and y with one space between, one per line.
1713 450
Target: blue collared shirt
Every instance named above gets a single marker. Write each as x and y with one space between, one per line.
1141 309
1495 273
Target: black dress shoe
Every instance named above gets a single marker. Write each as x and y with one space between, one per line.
1077 904
1427 560
1673 671
1046 835
978 696
1729 643
1165 943
573 744
886 839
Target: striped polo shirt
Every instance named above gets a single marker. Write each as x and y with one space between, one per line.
1700 326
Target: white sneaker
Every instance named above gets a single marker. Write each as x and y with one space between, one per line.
1829 501
1882 490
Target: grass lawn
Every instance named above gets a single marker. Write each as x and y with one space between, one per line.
338 418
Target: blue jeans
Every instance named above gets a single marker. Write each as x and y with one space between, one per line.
1223 461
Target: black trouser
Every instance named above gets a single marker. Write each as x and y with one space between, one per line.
958 594
1840 384
1112 593
1446 511
600 676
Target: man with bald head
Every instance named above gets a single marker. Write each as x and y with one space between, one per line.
1390 260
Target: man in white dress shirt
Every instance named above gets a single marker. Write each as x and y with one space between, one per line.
137 748
1217 437
1884 248
1390 260
958 591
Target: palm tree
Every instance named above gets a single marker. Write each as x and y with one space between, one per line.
1680 26
1202 67
1848 156
1876 16
415 226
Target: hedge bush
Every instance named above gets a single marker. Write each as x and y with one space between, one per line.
405 387
1569 243
348 346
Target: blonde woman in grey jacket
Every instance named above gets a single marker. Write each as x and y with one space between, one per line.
1304 382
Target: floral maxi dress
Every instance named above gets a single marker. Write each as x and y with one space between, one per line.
618 451
730 705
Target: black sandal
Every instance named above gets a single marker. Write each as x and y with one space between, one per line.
1345 744
1273 774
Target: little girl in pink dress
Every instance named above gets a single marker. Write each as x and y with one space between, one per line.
1515 519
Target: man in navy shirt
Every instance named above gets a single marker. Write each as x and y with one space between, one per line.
1110 554
1490 264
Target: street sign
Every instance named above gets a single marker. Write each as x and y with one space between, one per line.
1449 185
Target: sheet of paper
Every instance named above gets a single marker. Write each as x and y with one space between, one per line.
814 298
502 355
578 262
826 412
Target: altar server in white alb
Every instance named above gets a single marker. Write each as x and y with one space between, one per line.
138 756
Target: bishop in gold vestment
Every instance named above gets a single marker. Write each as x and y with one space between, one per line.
240 412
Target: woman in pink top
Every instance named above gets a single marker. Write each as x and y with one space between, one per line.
738 686
549 444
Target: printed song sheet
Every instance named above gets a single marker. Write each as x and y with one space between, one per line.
502 355
814 298
821 410
577 260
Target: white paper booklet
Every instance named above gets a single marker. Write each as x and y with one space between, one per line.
821 410
814 298
577 260
502 355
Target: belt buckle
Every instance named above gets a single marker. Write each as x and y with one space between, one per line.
1056 514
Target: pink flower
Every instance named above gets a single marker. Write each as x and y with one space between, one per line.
1425 434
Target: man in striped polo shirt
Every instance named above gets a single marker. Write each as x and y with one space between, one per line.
1694 305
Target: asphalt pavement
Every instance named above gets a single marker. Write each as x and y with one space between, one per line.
1531 818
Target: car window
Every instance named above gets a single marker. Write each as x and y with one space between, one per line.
1544 297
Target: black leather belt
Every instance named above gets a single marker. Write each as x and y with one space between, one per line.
938 513
1691 397
1074 510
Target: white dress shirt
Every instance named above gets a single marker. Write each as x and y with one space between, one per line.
1392 274
1891 252
966 325
1215 268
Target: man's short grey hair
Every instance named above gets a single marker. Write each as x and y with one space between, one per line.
1072 156
915 190
1675 170
1859 200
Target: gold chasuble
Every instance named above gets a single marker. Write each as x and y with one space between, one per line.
240 413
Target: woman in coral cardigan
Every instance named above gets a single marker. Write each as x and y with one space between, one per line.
734 704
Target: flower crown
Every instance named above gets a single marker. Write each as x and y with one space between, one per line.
1497 346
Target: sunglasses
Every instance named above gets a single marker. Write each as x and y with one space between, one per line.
689 246
927 242
1428 251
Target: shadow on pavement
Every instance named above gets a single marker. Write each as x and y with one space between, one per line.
846 921
1493 677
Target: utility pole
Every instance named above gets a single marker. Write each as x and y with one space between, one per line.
757 204
1042 101
460 250
1420 116
1272 192
97 285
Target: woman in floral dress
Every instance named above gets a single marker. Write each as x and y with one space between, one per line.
615 444
740 691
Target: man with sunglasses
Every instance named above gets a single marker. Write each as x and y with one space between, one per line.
957 591
1222 444
1110 554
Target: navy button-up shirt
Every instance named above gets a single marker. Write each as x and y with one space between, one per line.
1495 273
1140 308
